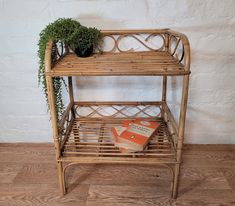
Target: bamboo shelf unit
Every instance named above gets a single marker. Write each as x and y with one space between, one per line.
82 135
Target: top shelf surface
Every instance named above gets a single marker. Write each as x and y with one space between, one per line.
150 63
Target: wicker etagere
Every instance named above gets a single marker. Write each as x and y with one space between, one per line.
82 135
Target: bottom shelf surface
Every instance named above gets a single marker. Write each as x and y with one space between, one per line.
91 141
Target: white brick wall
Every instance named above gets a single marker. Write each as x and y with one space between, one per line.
210 26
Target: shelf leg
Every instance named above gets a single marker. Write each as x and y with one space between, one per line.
176 181
181 133
61 178
51 99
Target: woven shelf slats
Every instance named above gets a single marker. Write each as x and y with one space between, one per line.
111 64
93 139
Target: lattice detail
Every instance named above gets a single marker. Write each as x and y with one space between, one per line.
149 42
118 111
176 47
58 50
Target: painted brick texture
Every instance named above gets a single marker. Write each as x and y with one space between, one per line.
210 26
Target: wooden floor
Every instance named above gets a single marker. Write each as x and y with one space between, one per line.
28 176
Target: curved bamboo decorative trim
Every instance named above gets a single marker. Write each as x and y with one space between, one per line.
176 48
99 111
119 38
59 49
186 47
114 45
168 166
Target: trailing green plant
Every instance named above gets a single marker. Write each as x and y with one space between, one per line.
71 33
60 30
84 40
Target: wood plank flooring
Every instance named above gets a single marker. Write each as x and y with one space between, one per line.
28 176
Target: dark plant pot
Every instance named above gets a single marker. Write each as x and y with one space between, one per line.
84 53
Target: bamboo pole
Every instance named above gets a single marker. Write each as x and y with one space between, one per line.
164 90
164 78
108 103
183 108
181 134
133 31
51 99
71 89
71 97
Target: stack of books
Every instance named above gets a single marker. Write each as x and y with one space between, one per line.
133 135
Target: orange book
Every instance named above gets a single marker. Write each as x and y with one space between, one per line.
116 131
138 133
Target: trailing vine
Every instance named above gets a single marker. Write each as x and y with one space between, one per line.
60 30
69 32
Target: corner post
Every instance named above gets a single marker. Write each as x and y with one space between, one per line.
181 133
164 78
182 118
183 108
51 99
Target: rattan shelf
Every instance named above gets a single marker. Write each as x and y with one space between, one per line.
85 139
110 64
91 136
83 135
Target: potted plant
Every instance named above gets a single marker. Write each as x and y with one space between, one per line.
84 41
80 39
